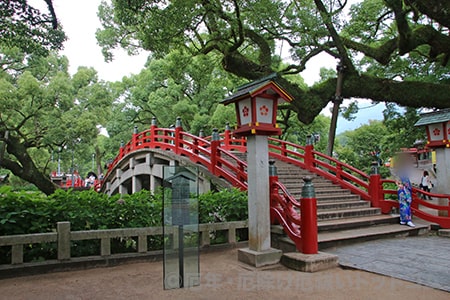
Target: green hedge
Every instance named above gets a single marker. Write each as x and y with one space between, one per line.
33 212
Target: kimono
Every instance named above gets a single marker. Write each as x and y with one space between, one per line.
404 194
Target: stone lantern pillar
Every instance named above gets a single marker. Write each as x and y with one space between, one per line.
437 125
256 110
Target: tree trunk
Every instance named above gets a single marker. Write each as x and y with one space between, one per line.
24 167
337 101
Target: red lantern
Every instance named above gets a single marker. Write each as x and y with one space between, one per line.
256 106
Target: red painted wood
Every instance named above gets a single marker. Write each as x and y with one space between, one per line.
218 158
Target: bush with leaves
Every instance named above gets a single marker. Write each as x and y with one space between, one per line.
25 212
223 206
33 212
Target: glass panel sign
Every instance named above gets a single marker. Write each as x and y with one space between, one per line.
180 227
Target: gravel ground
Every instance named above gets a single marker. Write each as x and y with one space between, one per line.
222 277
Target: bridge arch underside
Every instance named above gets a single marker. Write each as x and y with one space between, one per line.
143 169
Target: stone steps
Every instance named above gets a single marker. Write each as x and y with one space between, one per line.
347 213
332 239
323 187
342 216
356 222
337 197
332 205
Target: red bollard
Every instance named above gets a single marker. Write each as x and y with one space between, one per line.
308 211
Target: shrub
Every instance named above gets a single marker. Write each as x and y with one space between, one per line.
25 212
223 206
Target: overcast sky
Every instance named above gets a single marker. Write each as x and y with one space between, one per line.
80 21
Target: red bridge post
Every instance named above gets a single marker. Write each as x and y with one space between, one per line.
227 136
178 137
375 189
308 211
134 142
153 127
309 156
215 143
121 150
273 178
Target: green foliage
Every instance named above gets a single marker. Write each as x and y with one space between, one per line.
396 131
401 130
223 206
176 85
297 133
359 147
48 113
382 44
23 212
33 212
29 29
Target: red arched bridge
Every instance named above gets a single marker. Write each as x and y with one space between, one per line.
221 161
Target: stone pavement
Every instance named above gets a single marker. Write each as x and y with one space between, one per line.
424 260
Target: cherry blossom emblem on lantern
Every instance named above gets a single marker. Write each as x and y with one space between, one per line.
245 111
264 110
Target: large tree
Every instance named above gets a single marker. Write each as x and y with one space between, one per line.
391 50
43 110
178 85
28 28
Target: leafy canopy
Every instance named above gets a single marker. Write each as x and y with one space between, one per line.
393 51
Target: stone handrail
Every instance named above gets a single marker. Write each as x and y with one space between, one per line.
63 237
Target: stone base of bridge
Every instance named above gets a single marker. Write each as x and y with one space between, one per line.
309 262
258 259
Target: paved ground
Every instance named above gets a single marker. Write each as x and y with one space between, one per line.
223 277
422 260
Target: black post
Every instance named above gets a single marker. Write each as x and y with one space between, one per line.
337 101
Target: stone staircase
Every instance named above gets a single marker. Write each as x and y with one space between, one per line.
342 217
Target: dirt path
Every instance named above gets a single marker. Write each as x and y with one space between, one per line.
222 277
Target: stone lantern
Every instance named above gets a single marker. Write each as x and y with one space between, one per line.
437 125
256 111
256 106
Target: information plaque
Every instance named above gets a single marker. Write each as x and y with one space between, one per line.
180 227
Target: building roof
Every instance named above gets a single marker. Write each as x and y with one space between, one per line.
434 117
256 86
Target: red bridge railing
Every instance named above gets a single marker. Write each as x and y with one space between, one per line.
220 162
217 153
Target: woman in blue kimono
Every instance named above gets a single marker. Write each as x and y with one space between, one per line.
404 193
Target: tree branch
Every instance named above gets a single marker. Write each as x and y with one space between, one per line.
265 54
382 54
437 10
346 61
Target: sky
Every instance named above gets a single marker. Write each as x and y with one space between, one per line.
79 20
